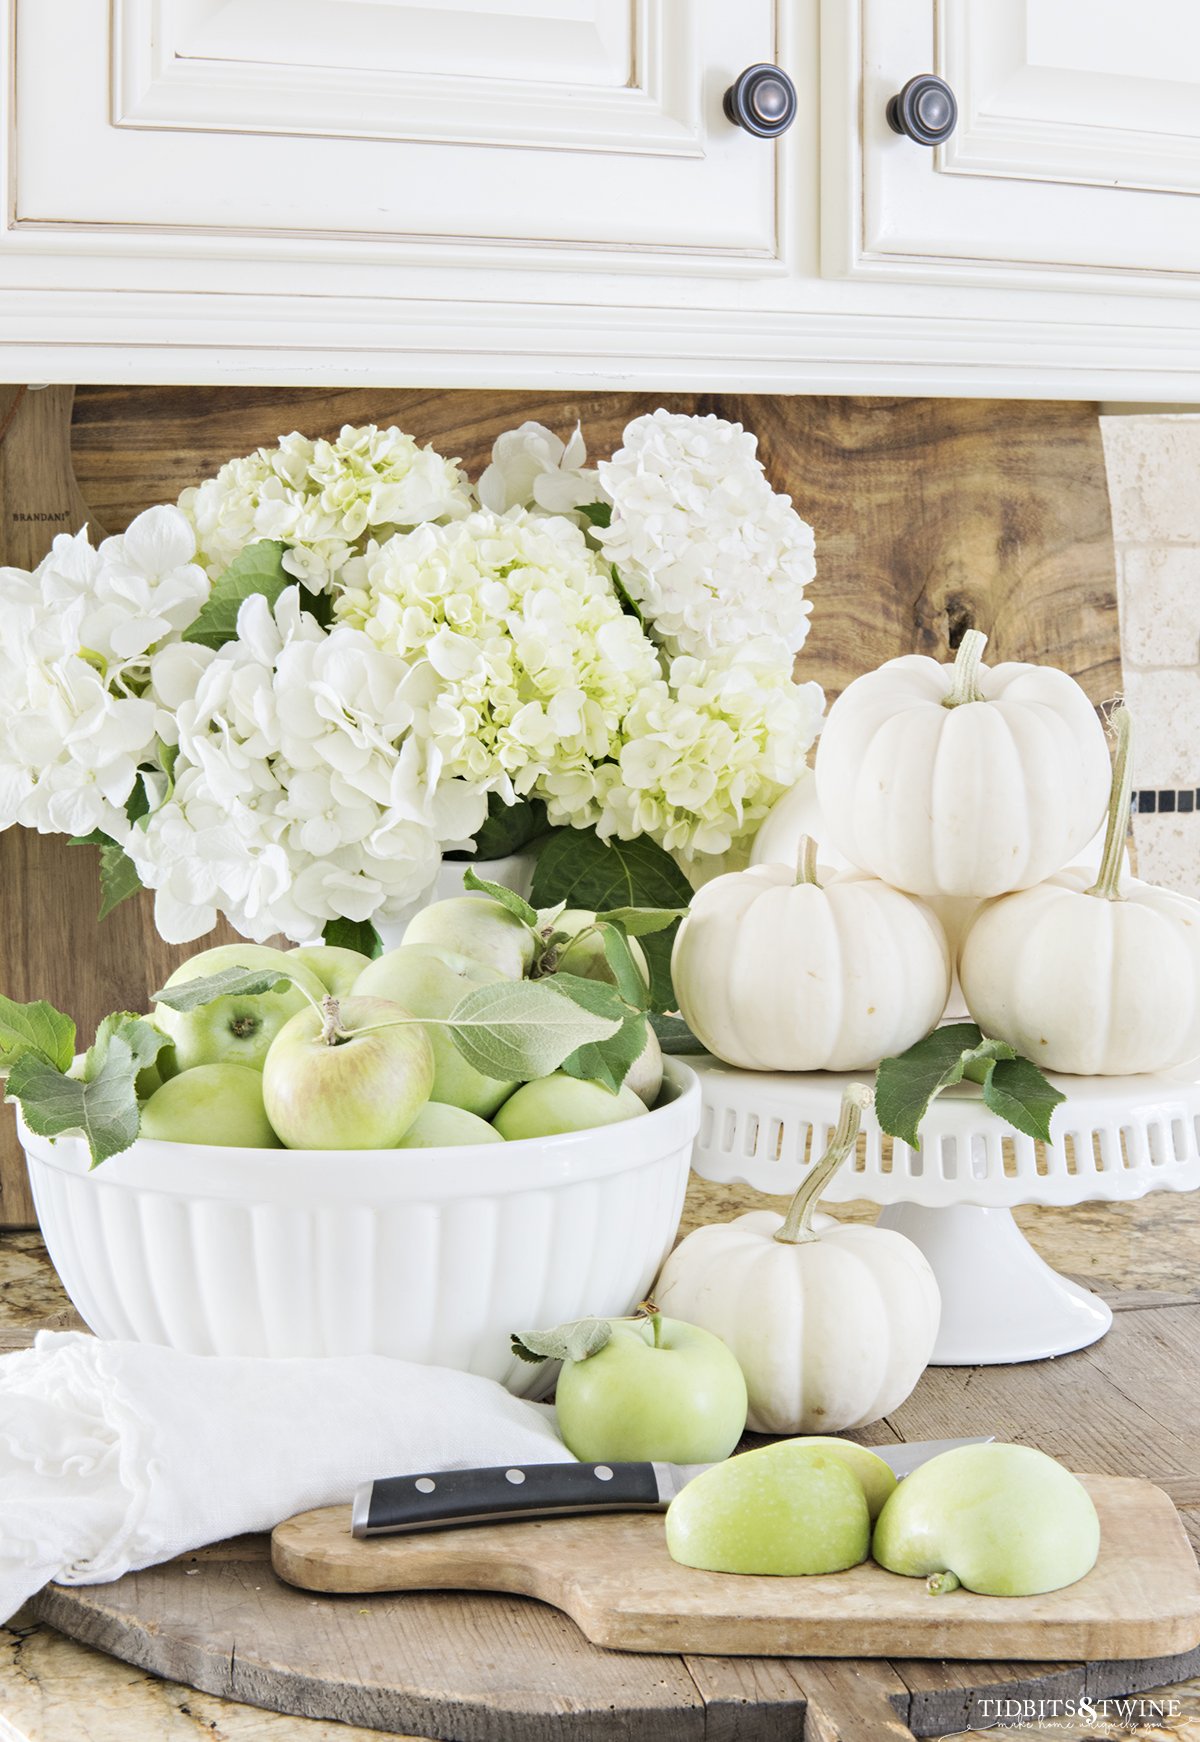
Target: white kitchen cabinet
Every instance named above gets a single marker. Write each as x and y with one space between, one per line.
547 193
389 124
1076 148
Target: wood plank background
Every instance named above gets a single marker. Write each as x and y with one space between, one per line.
930 515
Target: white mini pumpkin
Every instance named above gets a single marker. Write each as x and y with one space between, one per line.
775 971
962 780
1093 976
832 1329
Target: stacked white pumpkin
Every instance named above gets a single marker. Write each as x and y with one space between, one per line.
957 794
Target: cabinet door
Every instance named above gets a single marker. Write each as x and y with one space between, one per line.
538 125
1077 143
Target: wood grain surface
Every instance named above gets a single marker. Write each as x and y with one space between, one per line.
930 515
494 1668
614 1578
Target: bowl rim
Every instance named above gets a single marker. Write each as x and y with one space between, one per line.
295 1176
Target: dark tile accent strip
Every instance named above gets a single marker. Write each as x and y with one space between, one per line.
1178 799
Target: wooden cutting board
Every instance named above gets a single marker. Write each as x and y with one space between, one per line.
614 1578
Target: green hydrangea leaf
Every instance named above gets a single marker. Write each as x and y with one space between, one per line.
257 569
118 878
354 934
577 867
508 828
674 1035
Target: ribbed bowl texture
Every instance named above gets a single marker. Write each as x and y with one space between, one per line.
431 1255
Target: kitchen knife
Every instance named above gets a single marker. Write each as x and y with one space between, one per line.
445 1498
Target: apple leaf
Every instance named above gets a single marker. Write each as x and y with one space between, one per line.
143 1039
242 982
257 569
1017 1091
674 1035
630 981
508 898
523 1028
574 1341
641 922
354 934
1013 1087
36 1028
118 878
103 1106
609 1061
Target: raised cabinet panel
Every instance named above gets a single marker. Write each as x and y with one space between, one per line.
1077 144
594 124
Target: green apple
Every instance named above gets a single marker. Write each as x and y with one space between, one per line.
659 1389
787 1508
211 1104
1004 1520
551 1105
878 1479
439 1126
587 958
336 968
235 1030
430 982
478 927
355 1078
646 1072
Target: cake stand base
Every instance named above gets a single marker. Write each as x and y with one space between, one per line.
1000 1301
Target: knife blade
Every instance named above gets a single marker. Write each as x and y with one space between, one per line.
445 1499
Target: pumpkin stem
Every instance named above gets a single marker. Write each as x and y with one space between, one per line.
1108 884
806 862
964 680
797 1224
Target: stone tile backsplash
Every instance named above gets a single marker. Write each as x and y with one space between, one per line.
1153 465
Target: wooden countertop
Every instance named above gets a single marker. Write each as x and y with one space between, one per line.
54 1690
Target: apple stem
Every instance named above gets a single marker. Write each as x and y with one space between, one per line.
797 1224
331 1031
964 680
939 1584
1108 884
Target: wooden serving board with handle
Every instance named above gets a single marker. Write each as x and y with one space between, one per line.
613 1576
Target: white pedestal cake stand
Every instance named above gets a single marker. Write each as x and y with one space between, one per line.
1113 1138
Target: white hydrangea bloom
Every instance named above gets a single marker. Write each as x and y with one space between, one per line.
323 498
532 468
78 635
706 752
710 552
301 791
533 664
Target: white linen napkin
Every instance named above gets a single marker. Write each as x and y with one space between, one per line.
114 1456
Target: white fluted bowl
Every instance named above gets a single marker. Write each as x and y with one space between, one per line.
432 1255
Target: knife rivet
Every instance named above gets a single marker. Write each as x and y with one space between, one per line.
514 1475
423 1485
603 1472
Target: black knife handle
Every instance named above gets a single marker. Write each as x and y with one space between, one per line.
445 1498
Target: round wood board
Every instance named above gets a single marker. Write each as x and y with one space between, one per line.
489 1668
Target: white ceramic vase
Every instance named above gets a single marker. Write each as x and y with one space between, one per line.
515 872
